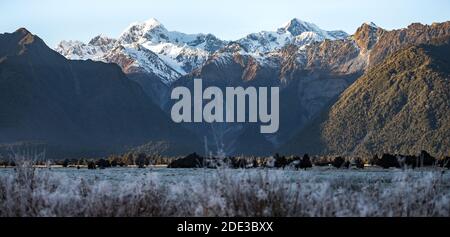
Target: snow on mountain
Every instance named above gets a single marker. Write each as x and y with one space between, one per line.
94 50
182 52
173 54
295 31
153 32
178 53
138 59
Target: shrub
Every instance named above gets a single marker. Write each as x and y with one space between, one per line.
141 160
338 162
91 165
304 163
388 161
426 159
102 164
359 163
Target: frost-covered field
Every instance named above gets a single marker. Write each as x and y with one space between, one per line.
204 192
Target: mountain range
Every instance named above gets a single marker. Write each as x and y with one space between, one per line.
77 107
398 106
156 57
179 53
370 92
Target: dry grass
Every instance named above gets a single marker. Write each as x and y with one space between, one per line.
260 192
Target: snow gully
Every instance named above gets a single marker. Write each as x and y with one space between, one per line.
235 99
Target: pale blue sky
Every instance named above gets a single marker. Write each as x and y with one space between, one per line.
55 20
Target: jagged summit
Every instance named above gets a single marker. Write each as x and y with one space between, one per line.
148 24
101 40
295 31
22 31
23 36
367 35
150 29
19 42
152 22
371 24
297 27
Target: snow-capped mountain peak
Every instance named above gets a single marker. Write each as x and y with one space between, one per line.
297 27
295 31
152 23
94 50
180 52
149 30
